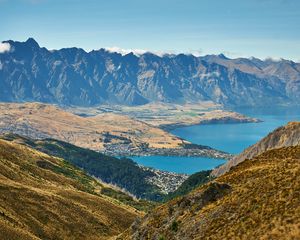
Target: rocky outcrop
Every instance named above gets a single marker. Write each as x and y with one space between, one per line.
288 135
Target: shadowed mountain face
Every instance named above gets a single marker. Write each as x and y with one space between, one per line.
75 77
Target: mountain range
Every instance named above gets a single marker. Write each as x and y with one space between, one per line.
72 76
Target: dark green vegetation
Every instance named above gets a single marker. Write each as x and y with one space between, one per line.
174 226
142 205
193 181
109 137
194 146
122 172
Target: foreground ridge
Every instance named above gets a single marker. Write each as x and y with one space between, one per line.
258 199
44 197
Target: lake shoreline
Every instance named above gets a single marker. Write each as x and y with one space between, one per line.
171 127
232 137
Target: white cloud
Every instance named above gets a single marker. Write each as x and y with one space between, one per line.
273 59
126 51
137 52
196 53
4 47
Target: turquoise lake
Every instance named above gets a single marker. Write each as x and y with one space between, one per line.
188 165
232 138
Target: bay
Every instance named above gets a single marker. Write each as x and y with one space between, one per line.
235 137
232 138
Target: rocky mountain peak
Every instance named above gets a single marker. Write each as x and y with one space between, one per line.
71 76
32 43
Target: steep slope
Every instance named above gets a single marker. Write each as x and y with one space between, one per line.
257 199
123 173
75 77
288 135
44 197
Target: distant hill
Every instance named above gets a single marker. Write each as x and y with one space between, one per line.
257 199
284 136
110 133
100 132
45 197
71 76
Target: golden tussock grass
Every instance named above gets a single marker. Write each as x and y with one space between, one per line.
43 197
257 199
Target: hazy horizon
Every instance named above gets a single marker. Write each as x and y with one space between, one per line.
263 29
139 52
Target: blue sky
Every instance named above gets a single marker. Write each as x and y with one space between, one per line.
260 28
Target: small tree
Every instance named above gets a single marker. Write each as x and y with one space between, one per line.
174 226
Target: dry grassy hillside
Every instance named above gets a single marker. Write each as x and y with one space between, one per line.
258 199
288 135
38 120
43 197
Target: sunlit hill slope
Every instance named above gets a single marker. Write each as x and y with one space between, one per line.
44 197
257 199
